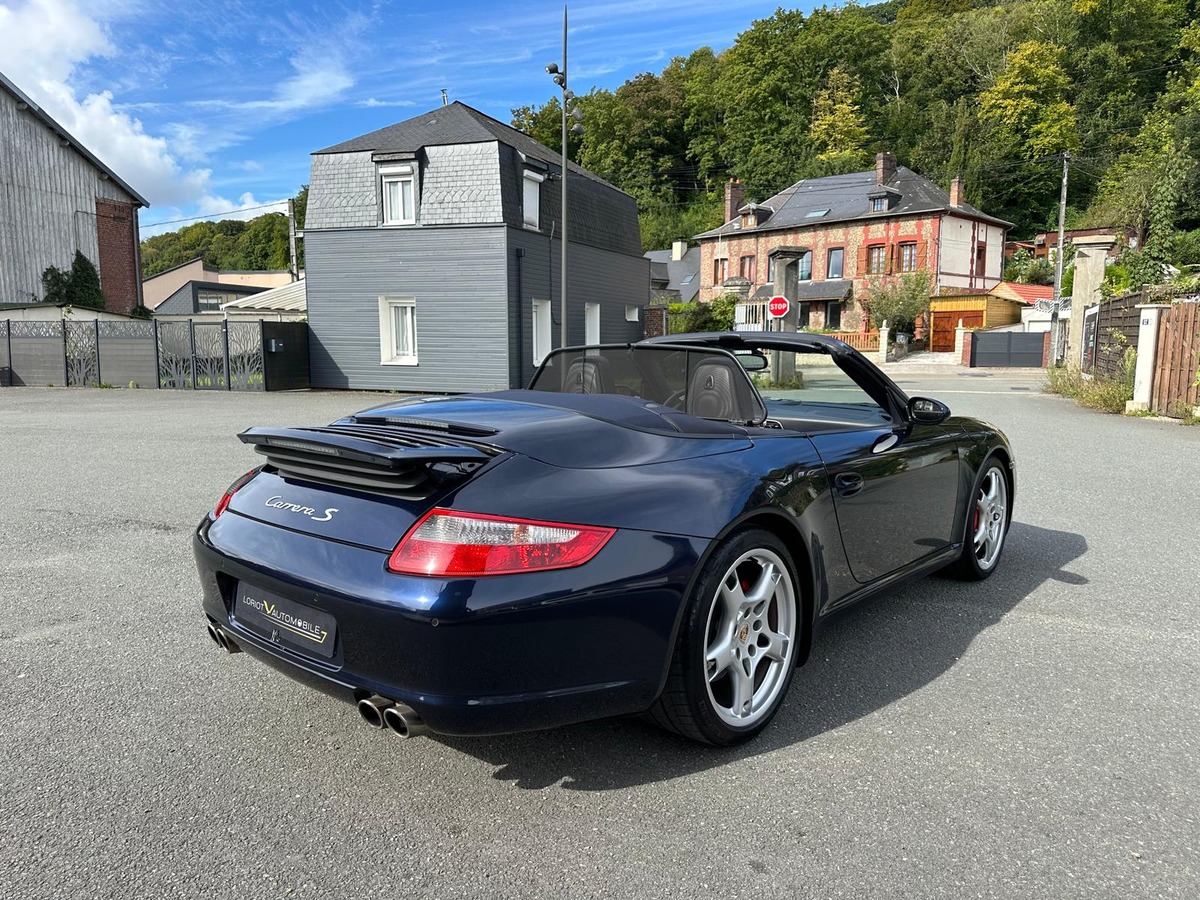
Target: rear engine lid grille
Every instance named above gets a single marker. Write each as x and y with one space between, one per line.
376 459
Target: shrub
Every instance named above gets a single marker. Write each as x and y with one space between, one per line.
899 302
716 315
79 287
1099 392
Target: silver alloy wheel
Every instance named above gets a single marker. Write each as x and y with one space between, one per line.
749 638
991 518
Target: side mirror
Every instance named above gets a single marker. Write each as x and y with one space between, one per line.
923 411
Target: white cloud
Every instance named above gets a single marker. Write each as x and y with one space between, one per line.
41 46
373 102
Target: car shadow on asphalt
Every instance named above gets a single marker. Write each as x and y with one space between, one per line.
862 661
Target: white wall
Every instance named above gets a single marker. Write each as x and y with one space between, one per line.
959 238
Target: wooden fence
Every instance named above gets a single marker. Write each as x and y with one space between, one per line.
1117 326
1177 369
862 342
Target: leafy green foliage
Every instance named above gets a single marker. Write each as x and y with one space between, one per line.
79 287
899 301
1023 268
991 90
261 243
716 315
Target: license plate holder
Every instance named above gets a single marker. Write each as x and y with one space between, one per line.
285 622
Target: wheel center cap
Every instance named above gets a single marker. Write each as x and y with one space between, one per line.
743 634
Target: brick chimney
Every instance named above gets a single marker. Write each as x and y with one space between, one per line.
679 250
885 167
733 198
956 191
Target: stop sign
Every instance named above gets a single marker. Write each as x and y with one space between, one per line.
778 307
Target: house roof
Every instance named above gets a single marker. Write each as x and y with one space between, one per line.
286 298
38 113
455 123
844 198
1028 294
682 275
808 291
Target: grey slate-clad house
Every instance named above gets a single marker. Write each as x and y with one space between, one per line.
674 273
432 252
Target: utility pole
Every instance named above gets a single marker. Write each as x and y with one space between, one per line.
560 78
295 265
1062 216
563 299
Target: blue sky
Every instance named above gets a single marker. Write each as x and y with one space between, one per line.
208 108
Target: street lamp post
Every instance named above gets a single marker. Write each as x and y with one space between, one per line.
560 78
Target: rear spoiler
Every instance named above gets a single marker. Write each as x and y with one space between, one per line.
381 460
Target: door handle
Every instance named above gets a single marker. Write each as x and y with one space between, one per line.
848 483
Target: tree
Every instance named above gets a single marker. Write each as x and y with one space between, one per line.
900 301
1028 105
837 127
79 287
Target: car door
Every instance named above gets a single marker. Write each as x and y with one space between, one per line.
895 493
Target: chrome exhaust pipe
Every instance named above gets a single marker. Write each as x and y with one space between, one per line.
404 721
373 709
222 640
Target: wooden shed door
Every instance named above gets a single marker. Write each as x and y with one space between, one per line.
944 323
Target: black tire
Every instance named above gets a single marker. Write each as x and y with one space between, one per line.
981 557
755 647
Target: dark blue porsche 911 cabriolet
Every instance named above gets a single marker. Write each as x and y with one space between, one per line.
653 528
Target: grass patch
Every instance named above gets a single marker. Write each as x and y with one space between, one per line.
1105 394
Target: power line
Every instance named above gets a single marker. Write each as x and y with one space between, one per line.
213 215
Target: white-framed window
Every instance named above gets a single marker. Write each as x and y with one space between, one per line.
542 327
632 313
398 185
398 331
878 204
591 323
532 200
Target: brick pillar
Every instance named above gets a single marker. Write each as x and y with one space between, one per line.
1046 350
968 338
116 238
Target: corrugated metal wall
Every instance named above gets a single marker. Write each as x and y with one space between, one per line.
47 203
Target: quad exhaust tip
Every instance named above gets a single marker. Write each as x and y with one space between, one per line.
222 640
404 721
380 712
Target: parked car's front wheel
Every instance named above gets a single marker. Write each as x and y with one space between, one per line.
986 526
736 649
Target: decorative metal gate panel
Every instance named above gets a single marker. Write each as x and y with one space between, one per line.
83 358
174 355
245 356
209 352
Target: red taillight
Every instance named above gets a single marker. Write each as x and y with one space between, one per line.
445 543
223 503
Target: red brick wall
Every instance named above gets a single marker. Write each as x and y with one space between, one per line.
656 321
116 236
853 237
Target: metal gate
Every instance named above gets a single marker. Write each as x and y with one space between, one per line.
1011 349
211 356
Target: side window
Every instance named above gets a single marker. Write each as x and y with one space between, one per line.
398 331
542 326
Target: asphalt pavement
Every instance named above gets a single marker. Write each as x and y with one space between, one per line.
1033 736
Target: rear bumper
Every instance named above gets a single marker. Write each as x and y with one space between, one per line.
483 656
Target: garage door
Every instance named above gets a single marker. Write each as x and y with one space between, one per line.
1007 348
946 321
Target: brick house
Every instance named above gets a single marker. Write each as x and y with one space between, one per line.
432 250
822 242
59 198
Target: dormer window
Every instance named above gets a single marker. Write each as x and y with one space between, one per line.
745 220
878 204
399 189
532 199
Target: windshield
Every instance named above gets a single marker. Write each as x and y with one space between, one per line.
703 382
812 387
